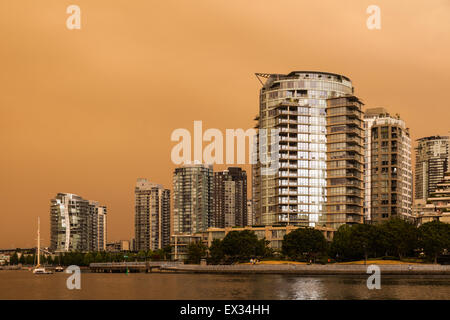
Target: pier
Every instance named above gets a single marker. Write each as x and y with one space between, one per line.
149 266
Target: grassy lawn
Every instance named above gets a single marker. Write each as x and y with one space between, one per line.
391 262
379 262
277 262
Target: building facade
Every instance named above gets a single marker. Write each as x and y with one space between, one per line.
431 164
192 198
230 198
152 216
77 224
293 115
345 162
387 161
250 213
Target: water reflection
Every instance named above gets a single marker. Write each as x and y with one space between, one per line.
25 285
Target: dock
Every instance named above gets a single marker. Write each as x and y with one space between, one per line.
149 266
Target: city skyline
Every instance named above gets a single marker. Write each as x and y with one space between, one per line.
111 105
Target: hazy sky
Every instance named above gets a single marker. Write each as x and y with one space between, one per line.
88 111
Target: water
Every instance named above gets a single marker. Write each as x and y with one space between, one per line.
25 285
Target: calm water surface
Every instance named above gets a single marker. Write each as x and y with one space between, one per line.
25 285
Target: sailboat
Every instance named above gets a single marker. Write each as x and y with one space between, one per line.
38 269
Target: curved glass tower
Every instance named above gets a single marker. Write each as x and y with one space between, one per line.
295 104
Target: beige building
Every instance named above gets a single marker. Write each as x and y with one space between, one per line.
431 163
437 206
273 234
152 216
118 246
388 173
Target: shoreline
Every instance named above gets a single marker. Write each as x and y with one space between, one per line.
289 269
296 269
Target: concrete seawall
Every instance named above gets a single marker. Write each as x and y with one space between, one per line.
428 269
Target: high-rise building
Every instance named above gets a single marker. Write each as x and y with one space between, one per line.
250 213
77 224
344 162
192 198
431 164
152 215
230 198
387 172
295 105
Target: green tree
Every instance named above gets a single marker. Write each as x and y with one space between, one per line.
14 259
243 245
98 257
88 259
142 255
400 237
304 243
216 252
167 250
434 237
196 251
22 258
355 242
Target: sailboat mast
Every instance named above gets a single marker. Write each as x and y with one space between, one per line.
39 243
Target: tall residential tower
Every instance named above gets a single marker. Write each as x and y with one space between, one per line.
192 198
152 216
431 164
295 105
230 198
388 173
344 162
77 224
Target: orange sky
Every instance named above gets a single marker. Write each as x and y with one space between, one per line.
88 111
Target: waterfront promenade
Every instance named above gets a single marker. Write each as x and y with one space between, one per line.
298 269
302 269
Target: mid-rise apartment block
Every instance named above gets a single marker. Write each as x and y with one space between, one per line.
152 216
77 224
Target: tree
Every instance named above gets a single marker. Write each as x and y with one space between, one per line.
434 237
216 251
167 250
400 237
98 257
88 259
304 243
243 245
355 242
14 258
196 251
22 258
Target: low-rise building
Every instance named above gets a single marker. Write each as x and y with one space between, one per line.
274 234
437 206
118 246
